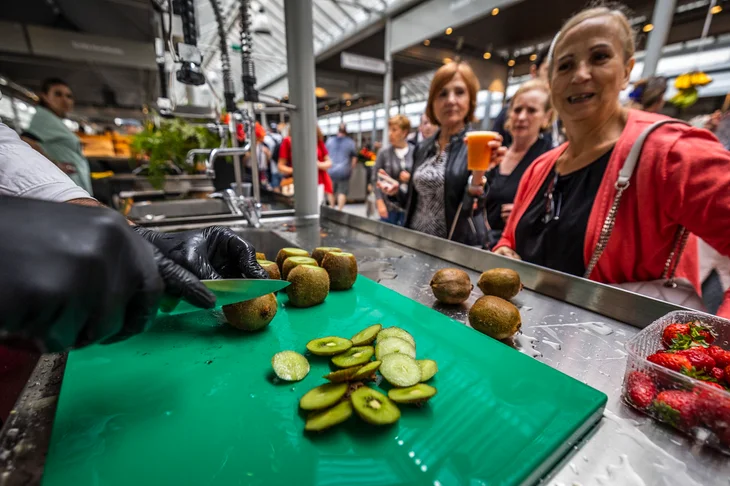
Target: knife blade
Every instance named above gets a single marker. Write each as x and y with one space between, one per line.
227 291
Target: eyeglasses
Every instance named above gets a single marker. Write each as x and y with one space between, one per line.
552 206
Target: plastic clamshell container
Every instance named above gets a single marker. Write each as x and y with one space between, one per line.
711 418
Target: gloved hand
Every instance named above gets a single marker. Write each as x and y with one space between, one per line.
211 253
72 275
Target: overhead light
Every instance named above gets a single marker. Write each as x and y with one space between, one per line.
533 57
495 11
427 43
648 28
118 121
511 62
716 9
348 102
487 55
447 60
320 92
449 30
326 107
3 81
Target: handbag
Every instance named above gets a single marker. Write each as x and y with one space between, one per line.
668 288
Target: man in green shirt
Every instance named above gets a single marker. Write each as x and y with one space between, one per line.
49 136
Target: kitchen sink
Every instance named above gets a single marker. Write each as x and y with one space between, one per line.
154 211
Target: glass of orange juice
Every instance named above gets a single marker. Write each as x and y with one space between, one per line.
479 155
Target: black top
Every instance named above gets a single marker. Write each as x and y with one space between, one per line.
558 244
503 188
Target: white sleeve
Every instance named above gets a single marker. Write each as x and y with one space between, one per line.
26 173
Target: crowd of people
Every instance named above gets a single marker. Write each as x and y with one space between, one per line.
578 182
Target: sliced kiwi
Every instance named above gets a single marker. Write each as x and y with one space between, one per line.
356 355
271 269
366 336
319 253
413 394
394 345
325 419
290 366
374 407
323 396
260 256
396 332
285 253
428 368
367 372
340 376
400 370
328 346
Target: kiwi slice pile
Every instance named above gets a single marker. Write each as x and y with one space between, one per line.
394 350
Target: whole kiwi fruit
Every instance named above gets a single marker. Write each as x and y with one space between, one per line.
500 282
495 317
451 286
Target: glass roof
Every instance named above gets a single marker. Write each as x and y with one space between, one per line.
334 20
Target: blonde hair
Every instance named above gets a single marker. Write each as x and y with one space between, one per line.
442 77
531 85
615 11
401 121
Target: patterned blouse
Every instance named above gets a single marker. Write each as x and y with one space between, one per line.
430 215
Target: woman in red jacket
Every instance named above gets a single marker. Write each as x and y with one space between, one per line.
323 162
682 179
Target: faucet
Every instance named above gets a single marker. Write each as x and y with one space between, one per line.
247 207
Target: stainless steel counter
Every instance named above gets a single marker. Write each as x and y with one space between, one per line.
626 448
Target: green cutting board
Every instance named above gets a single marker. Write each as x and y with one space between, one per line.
193 402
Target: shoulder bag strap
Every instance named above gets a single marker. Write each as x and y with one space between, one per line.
623 181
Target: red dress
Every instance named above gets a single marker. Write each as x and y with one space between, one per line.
285 152
682 178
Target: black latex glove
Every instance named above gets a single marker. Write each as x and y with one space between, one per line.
72 275
211 253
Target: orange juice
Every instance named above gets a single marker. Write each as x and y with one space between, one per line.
478 152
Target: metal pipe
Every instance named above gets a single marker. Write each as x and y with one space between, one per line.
254 157
247 67
387 79
223 152
662 21
229 89
300 60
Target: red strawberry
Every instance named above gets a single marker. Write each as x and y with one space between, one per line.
713 409
676 407
721 356
718 374
684 336
727 375
699 360
640 389
672 361
672 332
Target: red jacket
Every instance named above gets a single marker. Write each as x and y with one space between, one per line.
682 178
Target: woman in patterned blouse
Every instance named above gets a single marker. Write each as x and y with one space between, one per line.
444 198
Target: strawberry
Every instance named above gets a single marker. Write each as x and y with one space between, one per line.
699 360
676 407
672 361
640 389
727 375
721 356
684 336
713 409
718 374
672 332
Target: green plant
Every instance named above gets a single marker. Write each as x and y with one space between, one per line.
168 145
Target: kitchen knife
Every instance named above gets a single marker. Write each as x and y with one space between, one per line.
227 291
